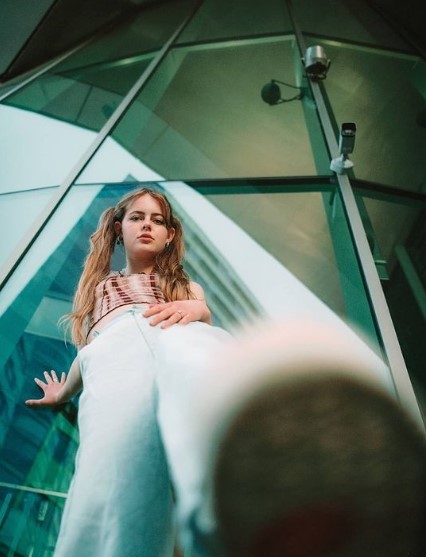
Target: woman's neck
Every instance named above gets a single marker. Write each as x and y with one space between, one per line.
136 267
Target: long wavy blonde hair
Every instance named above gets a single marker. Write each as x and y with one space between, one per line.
174 282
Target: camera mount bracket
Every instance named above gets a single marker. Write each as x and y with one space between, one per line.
341 164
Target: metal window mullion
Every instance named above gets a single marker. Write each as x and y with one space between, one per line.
399 372
43 70
400 376
13 261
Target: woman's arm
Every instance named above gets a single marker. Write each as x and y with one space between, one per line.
198 293
58 391
181 311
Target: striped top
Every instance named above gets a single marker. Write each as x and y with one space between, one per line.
118 290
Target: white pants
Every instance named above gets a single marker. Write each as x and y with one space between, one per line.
148 418
120 502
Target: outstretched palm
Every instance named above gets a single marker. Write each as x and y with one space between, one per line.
50 388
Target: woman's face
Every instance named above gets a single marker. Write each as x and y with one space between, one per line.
143 229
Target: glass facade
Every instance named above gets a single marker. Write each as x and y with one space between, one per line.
399 253
251 183
201 116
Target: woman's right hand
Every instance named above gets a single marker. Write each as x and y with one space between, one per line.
50 388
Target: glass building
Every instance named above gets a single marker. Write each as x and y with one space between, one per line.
221 105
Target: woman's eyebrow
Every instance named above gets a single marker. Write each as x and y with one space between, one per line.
143 213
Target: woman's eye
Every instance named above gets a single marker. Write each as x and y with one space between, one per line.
158 221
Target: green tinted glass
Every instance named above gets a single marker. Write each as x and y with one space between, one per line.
396 229
202 116
45 129
305 230
385 96
38 447
48 125
144 32
258 250
30 518
84 98
19 210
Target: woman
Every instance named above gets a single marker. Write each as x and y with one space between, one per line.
120 501
273 446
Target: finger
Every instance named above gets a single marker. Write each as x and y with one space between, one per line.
151 311
63 377
47 377
180 316
40 383
54 376
155 321
185 320
172 320
33 402
163 315
154 308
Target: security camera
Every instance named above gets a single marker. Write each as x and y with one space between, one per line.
316 62
346 145
347 138
271 93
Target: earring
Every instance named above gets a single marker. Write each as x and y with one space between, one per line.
167 244
119 240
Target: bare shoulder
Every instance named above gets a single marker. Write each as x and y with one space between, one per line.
197 290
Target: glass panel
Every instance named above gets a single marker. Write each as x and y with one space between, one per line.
347 20
52 121
385 96
19 210
294 231
202 116
146 31
219 19
397 233
6 87
29 521
37 447
85 98
251 247
45 128
306 233
16 28
37 151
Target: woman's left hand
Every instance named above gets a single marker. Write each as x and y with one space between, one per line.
179 311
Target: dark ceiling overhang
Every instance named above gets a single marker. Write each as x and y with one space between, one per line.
407 17
34 33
